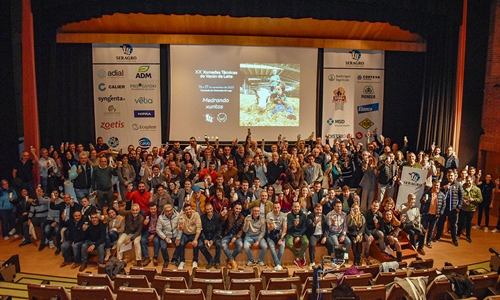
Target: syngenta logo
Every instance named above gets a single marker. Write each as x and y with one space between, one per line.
110 98
111 125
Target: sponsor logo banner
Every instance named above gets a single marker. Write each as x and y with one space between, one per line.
362 109
412 181
144 113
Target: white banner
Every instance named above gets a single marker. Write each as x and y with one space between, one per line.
127 104
412 181
353 90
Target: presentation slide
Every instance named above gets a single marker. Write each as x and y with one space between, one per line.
221 91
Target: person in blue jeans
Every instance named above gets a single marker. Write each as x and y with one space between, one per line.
190 224
149 234
76 237
7 215
255 230
337 222
233 230
276 226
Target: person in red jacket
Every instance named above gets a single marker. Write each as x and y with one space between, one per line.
140 196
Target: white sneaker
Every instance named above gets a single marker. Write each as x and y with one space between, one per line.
486 229
6 238
51 244
195 264
181 265
312 265
15 236
278 268
12 231
495 230
476 227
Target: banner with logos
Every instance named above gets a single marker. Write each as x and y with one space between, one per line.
353 91
412 181
127 108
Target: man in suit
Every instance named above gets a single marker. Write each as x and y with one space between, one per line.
312 171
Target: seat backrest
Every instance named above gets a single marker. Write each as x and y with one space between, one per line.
482 283
437 289
126 293
422 264
402 265
303 274
46 292
396 292
208 274
277 295
431 273
91 292
241 274
357 280
244 284
374 292
231 295
274 273
284 283
323 294
89 279
183 294
176 273
388 277
149 272
131 281
160 282
203 283
373 269
324 283
462 269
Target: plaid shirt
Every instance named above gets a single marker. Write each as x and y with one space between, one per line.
337 222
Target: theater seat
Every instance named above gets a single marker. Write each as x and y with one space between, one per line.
324 283
303 274
207 274
267 274
183 294
89 279
323 294
396 292
373 269
422 264
150 273
357 280
462 269
241 274
482 283
46 292
131 281
277 295
161 282
388 277
91 292
231 295
176 273
437 289
244 284
207 285
431 273
126 293
284 283
374 292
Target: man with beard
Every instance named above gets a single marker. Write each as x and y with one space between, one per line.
296 229
132 233
96 232
233 231
210 235
140 196
472 198
101 182
454 200
76 237
191 230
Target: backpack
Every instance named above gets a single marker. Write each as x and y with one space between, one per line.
461 284
115 266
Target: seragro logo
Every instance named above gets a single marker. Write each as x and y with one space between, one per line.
145 143
112 125
110 98
127 51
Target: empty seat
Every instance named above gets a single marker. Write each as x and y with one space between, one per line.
374 292
89 279
431 273
437 289
274 273
176 273
207 285
482 283
231 295
462 269
323 294
422 264
46 292
277 295
208 274
150 273
183 294
284 283
373 269
161 282
126 293
303 274
324 283
388 277
131 281
357 280
396 292
244 284
241 274
91 292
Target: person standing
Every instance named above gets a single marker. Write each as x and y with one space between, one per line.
7 215
432 206
47 168
472 198
81 175
487 186
101 182
454 201
23 170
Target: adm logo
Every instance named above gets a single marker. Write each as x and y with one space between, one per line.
127 51
143 73
112 125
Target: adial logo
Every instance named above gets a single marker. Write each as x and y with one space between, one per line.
112 125
113 142
145 143
144 127
339 98
356 59
368 92
112 111
142 86
143 73
144 100
114 74
110 98
127 51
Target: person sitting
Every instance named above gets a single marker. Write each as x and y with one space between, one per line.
255 230
76 237
149 235
233 231
277 228
132 233
410 213
198 200
347 199
337 223
390 227
190 224
96 240
263 203
210 235
373 219
317 231
356 224
296 229
167 230
116 225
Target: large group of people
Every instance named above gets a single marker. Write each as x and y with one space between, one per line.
238 196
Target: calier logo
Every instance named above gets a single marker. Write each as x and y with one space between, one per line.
142 72
112 125
110 98
144 100
101 87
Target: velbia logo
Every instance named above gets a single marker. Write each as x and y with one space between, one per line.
144 100
112 125
142 72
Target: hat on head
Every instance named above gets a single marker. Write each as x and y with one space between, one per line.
196 189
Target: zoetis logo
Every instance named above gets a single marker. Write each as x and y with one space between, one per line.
143 73
112 125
